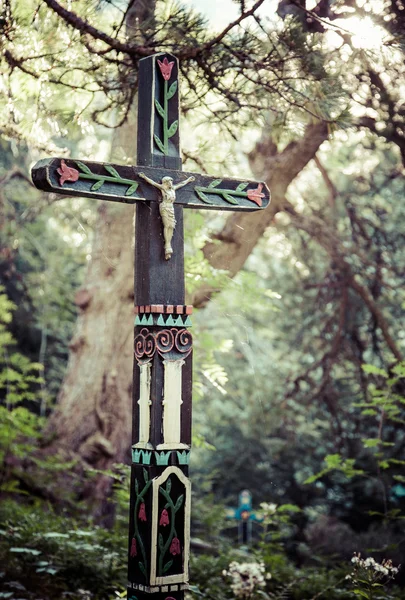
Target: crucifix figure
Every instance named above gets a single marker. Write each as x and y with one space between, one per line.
159 525
166 208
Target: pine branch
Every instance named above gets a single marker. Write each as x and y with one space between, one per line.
78 23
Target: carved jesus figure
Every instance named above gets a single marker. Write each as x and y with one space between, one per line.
166 208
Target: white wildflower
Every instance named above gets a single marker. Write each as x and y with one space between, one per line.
246 578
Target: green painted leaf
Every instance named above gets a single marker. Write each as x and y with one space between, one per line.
241 187
168 485
159 108
172 90
131 189
202 196
97 185
112 171
159 144
142 568
145 475
179 503
136 486
161 542
215 183
167 566
229 198
83 167
172 129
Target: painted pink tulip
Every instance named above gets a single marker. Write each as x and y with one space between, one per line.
164 518
67 173
175 546
166 68
256 195
142 512
133 551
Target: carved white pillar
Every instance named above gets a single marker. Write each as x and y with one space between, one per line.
144 404
172 402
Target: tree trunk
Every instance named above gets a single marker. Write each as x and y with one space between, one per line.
92 419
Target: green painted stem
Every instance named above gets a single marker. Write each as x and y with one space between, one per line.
165 120
172 530
107 178
221 192
136 532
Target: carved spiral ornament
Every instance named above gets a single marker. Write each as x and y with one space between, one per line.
165 340
184 341
171 344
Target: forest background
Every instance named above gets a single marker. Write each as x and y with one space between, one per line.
299 331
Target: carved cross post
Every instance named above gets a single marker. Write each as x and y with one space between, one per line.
159 529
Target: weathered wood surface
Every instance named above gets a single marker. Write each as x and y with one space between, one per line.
122 184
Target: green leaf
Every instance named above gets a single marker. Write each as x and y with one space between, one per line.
315 477
145 475
168 485
159 144
131 189
215 183
112 171
372 370
229 198
159 108
371 442
361 593
83 167
97 185
399 369
172 129
241 187
161 542
167 566
136 487
142 568
172 90
202 196
333 461
179 503
26 551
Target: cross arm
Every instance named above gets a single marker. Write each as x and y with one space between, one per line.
118 183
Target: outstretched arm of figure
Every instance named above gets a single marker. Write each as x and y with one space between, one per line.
182 183
154 183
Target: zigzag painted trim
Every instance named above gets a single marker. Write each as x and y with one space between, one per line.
161 320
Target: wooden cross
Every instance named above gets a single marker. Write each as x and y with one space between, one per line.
245 516
159 529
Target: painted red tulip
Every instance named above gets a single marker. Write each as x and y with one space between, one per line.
175 546
164 518
133 551
166 68
142 512
256 195
67 173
